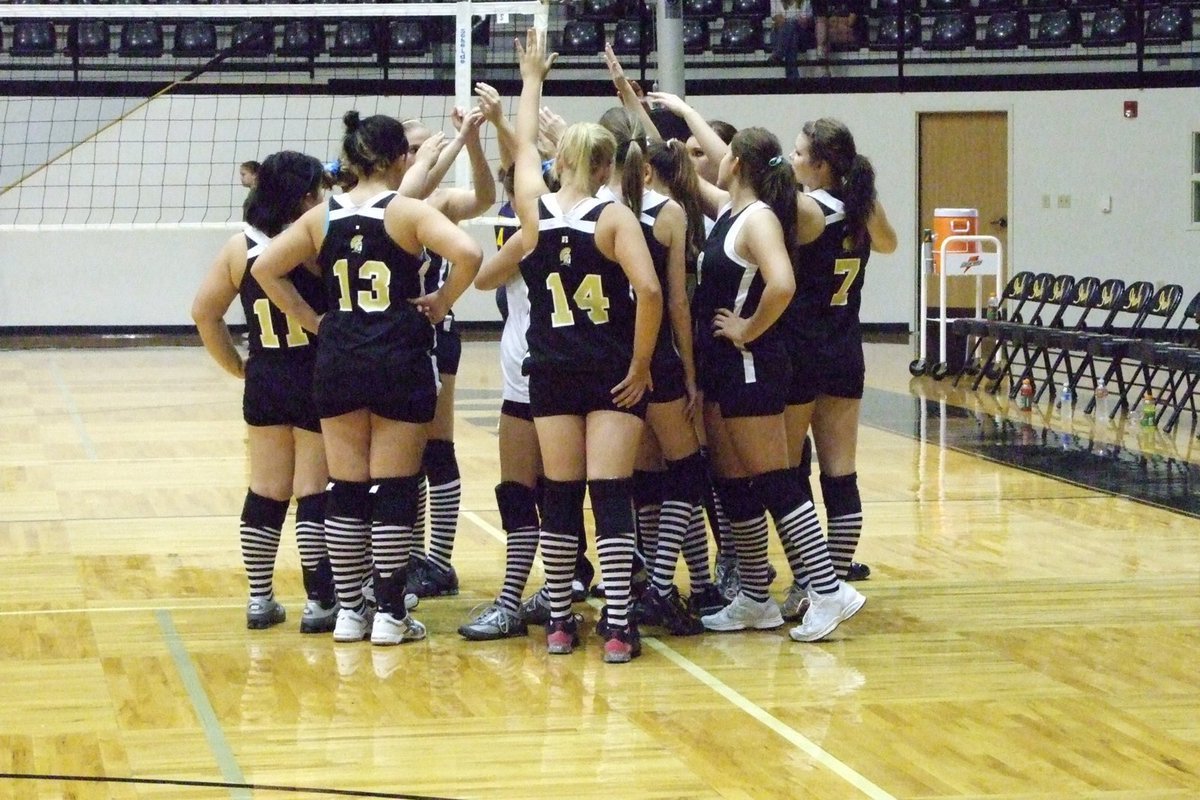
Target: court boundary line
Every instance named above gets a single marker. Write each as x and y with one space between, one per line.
264 787
77 422
217 743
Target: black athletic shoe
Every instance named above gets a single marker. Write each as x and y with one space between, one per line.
669 611
437 582
708 600
858 572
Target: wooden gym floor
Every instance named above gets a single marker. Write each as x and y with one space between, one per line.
1025 636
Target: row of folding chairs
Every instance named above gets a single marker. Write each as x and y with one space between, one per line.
1088 334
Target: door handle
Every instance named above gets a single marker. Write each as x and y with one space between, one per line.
1001 221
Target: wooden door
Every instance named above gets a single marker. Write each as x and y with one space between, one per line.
964 164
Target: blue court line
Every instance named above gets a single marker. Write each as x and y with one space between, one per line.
217 743
73 412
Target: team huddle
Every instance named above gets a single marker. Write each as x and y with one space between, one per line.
681 305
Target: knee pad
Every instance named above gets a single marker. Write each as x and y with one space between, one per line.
311 508
739 499
841 495
439 462
518 506
687 479
395 501
562 505
350 499
647 488
263 512
612 505
779 491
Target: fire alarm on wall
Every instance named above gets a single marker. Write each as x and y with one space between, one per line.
1131 109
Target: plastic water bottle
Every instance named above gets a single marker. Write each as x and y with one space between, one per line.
993 309
1102 400
1149 410
1066 401
1025 395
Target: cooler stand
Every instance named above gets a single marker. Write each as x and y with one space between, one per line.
977 265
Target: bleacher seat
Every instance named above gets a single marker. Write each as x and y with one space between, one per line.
883 8
991 6
582 37
89 37
1061 28
354 37
602 10
253 38
695 35
938 6
888 33
739 35
196 38
1005 30
34 37
406 37
1168 25
952 30
1111 27
142 39
1045 6
752 9
627 38
302 37
702 9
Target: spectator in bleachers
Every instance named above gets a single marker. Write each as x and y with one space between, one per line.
793 19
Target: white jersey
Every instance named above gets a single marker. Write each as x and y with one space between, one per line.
513 346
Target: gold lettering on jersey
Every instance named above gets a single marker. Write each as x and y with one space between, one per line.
848 268
564 257
296 336
377 298
356 244
588 297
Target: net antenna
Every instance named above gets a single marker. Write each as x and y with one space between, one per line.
270 13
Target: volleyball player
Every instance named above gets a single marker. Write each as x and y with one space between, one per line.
375 380
434 575
590 345
669 476
284 434
825 326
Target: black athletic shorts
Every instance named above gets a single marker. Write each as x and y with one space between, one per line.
447 350
667 375
833 367
554 393
279 391
512 408
745 383
399 385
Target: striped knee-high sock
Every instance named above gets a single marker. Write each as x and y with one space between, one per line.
347 531
310 540
394 510
615 544
796 520
683 489
843 507
559 541
445 498
647 488
748 525
262 521
695 551
519 518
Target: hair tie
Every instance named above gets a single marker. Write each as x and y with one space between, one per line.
775 162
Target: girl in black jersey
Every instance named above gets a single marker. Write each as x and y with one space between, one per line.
286 454
840 206
432 574
590 347
669 478
375 381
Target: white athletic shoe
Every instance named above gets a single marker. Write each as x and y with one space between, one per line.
352 626
387 630
826 612
745 613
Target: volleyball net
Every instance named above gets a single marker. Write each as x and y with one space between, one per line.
137 115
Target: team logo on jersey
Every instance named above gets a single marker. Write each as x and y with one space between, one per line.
564 256
356 244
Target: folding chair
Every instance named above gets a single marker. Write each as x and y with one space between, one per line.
1166 351
1103 342
1084 297
1015 291
1161 308
1011 337
1034 292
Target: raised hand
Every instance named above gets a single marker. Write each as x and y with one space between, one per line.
535 63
